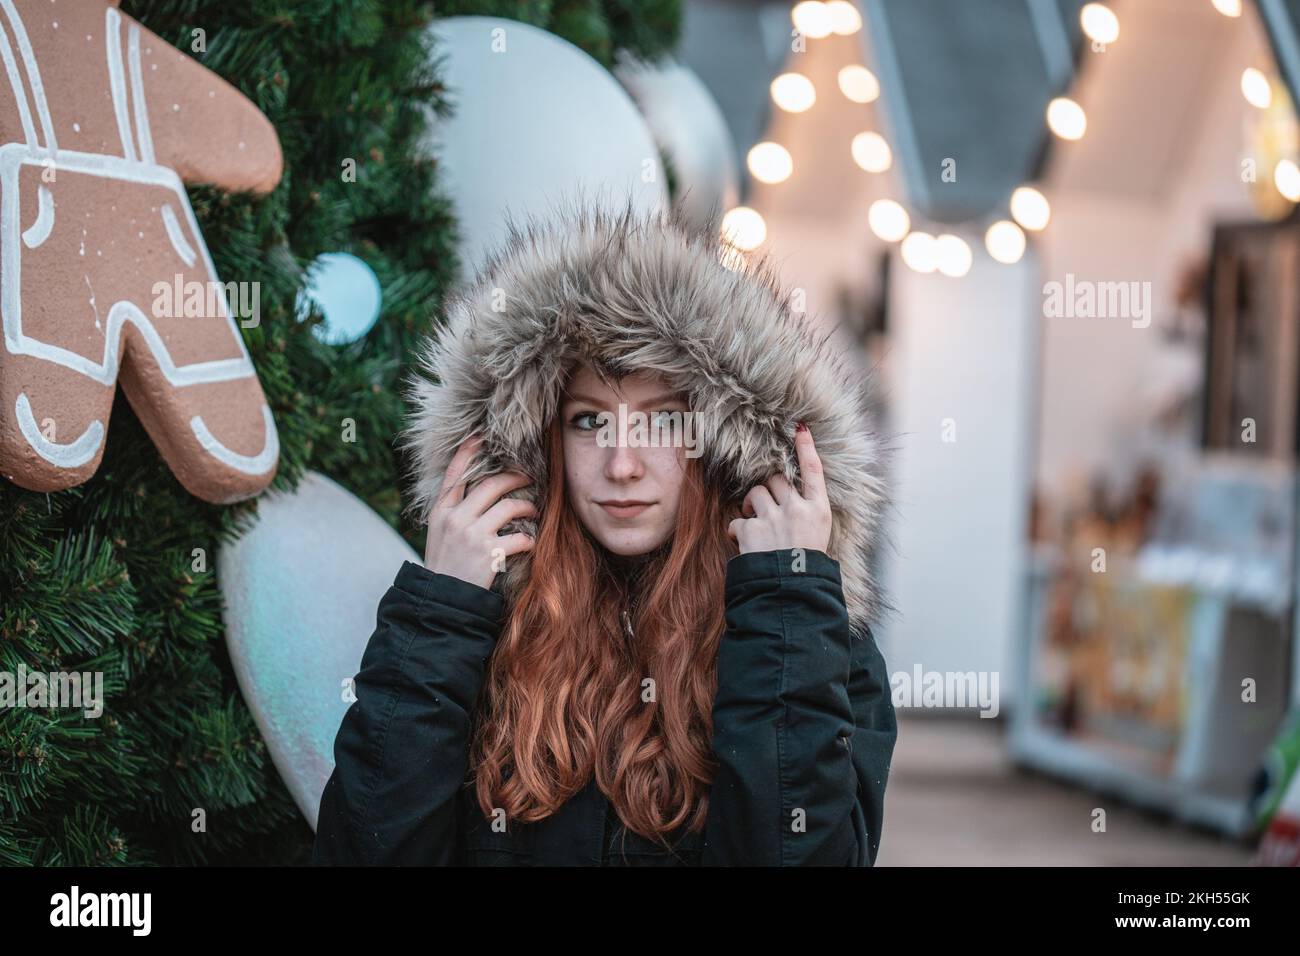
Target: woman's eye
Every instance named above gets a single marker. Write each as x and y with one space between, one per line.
668 419
576 419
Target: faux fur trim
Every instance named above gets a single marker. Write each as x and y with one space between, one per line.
650 291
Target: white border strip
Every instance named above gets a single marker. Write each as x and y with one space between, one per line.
137 97
117 80
258 464
72 455
40 230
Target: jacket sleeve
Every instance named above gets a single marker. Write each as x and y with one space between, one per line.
401 752
803 723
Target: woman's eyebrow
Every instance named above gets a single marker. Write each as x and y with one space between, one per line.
652 400
667 398
581 398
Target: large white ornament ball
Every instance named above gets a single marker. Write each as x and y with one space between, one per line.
688 124
534 120
301 588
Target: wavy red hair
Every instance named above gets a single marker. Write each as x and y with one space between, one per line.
563 697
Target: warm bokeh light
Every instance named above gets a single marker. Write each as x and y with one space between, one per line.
871 152
888 220
1286 176
793 92
812 18
1254 86
1030 208
919 252
845 19
859 84
770 163
1099 23
732 258
1066 118
1005 242
1229 8
953 255
744 228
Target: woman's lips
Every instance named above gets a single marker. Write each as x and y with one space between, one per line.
626 511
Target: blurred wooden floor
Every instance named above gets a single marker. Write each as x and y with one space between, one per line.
954 799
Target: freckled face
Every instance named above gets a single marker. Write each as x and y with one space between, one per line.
600 474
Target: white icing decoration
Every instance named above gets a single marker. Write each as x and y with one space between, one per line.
174 233
71 455
117 81
137 97
258 464
44 224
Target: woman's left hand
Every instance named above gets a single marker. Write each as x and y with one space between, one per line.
779 516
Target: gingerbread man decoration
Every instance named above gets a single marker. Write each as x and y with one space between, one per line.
104 275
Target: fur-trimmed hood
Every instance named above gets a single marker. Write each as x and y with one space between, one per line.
648 291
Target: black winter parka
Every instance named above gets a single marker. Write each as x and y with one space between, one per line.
803 733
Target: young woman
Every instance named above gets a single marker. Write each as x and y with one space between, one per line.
641 634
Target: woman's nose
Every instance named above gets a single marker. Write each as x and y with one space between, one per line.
623 462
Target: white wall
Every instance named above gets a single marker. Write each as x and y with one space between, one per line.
1098 374
962 349
1093 369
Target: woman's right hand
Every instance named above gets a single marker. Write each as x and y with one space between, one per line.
463 539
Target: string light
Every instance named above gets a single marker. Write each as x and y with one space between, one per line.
859 84
770 163
845 19
1030 208
1099 23
812 18
888 220
871 152
918 251
1254 86
744 228
1286 177
793 92
1066 118
1005 242
952 255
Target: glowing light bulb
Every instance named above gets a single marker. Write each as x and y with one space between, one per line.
859 84
744 228
845 19
812 18
871 152
952 255
770 163
919 253
1005 242
888 220
1099 23
1066 118
793 92
1286 177
1030 208
1254 86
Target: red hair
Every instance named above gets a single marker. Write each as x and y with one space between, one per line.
564 696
